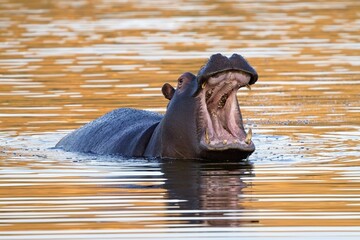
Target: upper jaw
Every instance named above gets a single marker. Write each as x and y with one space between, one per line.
219 63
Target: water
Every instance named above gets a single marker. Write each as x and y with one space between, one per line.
64 63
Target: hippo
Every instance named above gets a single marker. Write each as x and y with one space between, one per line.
202 121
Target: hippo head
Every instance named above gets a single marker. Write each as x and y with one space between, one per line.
208 118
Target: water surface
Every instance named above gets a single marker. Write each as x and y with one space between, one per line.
64 63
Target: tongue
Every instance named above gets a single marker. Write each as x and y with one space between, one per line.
221 132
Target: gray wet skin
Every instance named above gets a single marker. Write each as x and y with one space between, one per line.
203 119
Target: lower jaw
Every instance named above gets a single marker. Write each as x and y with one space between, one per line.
227 152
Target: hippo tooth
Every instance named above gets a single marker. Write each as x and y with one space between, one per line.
208 94
248 136
248 86
224 141
222 101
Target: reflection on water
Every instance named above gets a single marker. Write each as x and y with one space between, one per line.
210 190
64 63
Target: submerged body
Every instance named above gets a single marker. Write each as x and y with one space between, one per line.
203 119
122 131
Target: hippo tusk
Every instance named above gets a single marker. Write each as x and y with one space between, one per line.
203 85
248 86
248 136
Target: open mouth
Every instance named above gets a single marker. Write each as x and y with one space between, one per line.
221 126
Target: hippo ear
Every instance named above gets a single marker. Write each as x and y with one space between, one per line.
168 91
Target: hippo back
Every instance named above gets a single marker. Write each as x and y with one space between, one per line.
122 131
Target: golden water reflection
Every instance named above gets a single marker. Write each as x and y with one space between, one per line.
65 63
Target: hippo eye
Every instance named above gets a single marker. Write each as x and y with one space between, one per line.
180 82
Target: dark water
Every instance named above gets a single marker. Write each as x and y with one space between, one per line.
64 63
